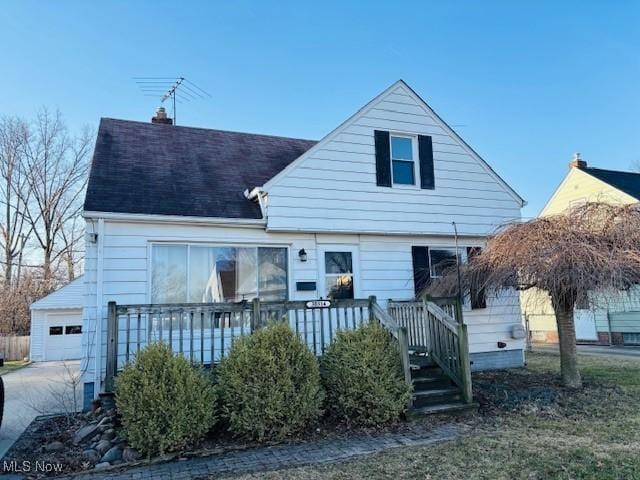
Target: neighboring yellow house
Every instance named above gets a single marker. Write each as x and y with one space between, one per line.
613 319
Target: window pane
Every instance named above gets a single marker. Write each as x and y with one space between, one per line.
403 172
338 262
73 329
441 260
55 330
169 276
222 274
401 148
339 286
247 270
200 270
272 273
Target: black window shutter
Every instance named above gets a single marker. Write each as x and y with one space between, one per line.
421 274
425 149
383 158
478 296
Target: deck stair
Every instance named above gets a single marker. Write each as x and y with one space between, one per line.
433 390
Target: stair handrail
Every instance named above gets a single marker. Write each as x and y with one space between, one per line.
399 333
459 369
443 316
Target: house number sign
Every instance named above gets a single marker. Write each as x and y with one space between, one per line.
319 304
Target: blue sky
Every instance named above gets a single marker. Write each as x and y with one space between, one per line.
525 83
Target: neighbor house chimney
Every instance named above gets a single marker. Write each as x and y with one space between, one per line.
161 117
577 162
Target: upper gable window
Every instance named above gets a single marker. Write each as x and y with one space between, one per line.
402 160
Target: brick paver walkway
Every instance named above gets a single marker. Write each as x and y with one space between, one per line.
281 456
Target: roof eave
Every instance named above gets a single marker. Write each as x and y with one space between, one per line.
152 218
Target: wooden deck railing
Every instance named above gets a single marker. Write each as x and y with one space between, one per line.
433 329
204 332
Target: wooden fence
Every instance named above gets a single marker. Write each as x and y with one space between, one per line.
14 347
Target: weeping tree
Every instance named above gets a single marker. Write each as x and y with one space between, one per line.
575 256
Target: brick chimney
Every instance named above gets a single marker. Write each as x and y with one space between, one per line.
161 117
577 162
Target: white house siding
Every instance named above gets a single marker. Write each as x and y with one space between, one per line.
332 188
385 270
577 187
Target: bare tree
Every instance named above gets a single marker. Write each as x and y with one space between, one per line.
15 194
56 170
71 237
15 300
590 250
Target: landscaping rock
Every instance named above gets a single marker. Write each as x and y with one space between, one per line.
113 454
105 421
130 455
108 434
102 465
85 433
54 447
92 455
96 438
103 447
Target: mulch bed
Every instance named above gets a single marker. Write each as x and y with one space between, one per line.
498 393
45 430
524 391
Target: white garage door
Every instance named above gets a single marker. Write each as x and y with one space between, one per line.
63 337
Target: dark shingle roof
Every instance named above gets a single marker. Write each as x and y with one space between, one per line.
627 182
170 170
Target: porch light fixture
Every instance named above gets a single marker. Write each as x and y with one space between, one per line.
302 255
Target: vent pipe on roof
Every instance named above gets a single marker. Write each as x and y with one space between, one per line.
577 162
161 117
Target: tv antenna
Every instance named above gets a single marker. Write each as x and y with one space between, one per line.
175 89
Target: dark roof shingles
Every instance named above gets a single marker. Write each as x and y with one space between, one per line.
155 169
628 182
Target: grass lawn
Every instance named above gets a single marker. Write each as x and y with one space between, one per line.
11 366
541 432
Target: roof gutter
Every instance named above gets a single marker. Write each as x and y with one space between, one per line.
176 219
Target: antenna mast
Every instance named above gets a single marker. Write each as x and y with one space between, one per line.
176 89
171 93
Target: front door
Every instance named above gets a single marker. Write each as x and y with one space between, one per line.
585 322
338 267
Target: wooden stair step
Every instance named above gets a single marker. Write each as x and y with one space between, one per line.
426 370
451 407
430 382
416 350
419 361
436 396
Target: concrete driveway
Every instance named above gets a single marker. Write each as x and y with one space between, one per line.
37 389
629 353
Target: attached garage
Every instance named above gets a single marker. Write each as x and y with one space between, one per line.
56 324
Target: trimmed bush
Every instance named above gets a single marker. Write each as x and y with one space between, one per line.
166 404
363 377
269 385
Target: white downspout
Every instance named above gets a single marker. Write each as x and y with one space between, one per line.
99 281
258 193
